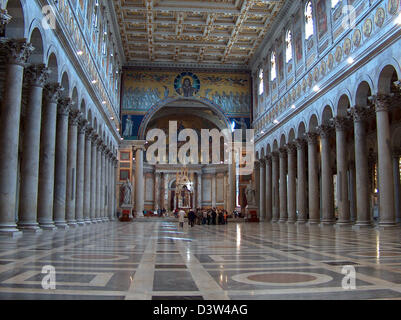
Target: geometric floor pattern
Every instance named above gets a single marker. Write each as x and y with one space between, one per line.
159 261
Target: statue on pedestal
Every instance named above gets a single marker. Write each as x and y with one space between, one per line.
250 195
127 192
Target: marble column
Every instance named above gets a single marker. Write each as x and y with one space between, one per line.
111 186
93 204
352 185
114 186
283 186
396 169
385 167
363 212
28 196
232 178
214 190
139 181
344 215
88 171
157 190
269 191
301 182
103 186
99 146
262 190
79 205
328 216
47 156
72 168
16 53
60 178
199 190
292 203
313 179
276 180
166 205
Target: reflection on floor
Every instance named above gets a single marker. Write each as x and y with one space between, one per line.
159 261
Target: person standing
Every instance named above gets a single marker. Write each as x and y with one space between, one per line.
214 216
191 218
181 218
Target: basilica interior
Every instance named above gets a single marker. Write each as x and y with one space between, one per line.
282 116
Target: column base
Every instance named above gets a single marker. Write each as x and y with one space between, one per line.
302 221
72 223
81 223
362 225
314 222
390 225
61 225
328 222
344 223
88 221
284 220
10 231
47 225
29 227
292 221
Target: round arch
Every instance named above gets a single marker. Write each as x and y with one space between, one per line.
207 103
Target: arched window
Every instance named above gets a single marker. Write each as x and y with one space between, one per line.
309 29
261 82
288 42
334 3
273 66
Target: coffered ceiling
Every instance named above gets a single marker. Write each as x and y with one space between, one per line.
217 32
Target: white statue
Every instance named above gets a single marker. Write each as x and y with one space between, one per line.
250 195
127 192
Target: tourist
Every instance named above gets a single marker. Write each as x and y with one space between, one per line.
181 218
214 216
204 217
191 218
208 218
225 216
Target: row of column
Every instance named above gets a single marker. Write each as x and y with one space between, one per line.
290 190
67 173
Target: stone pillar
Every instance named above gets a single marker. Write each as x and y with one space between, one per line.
139 181
28 196
292 203
232 178
262 190
111 186
283 186
269 190
157 190
214 190
98 180
344 215
166 205
276 180
103 186
327 177
72 168
60 178
301 185
363 212
313 179
257 184
352 184
385 167
16 53
47 156
114 185
199 190
93 187
87 173
396 169
79 205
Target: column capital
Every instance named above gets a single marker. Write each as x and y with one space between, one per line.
82 125
64 106
283 152
341 123
291 149
275 155
88 132
262 161
16 51
361 114
74 117
311 137
52 92
37 75
300 143
268 159
325 131
382 102
257 165
94 137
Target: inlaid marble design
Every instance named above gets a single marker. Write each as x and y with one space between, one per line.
141 261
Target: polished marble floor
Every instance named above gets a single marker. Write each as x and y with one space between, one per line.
159 261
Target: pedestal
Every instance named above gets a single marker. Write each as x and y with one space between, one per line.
252 213
126 213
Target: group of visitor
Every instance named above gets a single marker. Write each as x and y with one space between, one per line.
211 216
